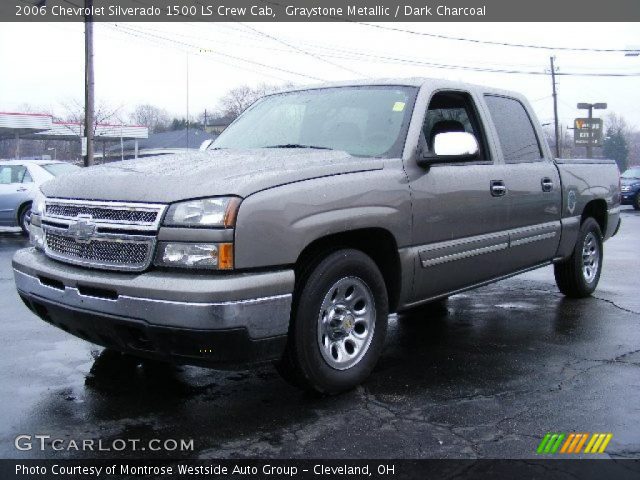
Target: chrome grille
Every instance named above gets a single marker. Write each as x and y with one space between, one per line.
103 235
100 213
104 253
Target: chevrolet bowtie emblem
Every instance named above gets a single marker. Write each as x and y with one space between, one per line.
83 229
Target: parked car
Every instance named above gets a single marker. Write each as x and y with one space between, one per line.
19 183
313 216
630 180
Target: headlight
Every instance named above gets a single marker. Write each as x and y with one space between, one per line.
218 256
38 204
208 212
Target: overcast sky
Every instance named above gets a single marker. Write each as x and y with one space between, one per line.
42 64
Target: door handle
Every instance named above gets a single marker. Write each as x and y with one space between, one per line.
498 189
547 184
22 189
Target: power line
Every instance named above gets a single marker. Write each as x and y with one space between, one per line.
150 41
398 60
482 69
142 38
501 44
207 50
293 47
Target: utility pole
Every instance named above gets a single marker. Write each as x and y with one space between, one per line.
88 82
187 101
555 105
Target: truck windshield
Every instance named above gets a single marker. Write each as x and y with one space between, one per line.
368 121
631 173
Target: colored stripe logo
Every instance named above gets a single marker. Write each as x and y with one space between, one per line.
553 443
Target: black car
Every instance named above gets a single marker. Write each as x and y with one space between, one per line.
631 187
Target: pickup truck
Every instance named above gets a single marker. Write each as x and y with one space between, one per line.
316 214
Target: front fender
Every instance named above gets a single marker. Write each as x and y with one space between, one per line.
275 225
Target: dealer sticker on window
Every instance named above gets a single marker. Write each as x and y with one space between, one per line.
398 106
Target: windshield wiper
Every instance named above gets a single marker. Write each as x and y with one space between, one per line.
298 145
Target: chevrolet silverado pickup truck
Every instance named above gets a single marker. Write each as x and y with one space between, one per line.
316 214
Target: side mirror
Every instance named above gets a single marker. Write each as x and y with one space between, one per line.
451 147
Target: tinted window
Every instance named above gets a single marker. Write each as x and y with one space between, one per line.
56 169
515 130
13 174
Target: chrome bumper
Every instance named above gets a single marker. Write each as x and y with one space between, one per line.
200 306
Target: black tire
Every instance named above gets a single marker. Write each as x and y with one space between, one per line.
636 202
304 364
571 278
24 219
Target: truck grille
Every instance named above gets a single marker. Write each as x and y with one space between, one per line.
100 213
104 253
102 235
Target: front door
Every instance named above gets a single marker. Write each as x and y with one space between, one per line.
459 210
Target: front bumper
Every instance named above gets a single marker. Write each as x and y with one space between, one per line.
628 198
188 317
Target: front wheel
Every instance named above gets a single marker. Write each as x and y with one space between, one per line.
339 323
578 276
636 202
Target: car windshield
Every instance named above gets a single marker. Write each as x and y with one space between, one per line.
56 169
632 173
369 121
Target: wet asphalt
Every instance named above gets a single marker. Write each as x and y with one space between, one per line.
485 375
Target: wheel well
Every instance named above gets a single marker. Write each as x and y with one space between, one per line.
21 208
597 209
378 243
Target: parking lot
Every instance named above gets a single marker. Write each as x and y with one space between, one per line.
486 375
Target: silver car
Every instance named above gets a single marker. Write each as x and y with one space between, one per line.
19 182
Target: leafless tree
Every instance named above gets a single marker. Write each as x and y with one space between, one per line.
156 119
617 123
236 100
103 113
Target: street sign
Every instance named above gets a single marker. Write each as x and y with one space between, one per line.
84 146
587 132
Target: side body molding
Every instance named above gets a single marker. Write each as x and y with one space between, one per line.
452 250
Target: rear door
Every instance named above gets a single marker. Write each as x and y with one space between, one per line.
458 219
532 180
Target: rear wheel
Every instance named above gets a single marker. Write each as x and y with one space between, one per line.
24 218
339 323
578 276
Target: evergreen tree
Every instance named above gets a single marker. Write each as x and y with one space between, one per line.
616 147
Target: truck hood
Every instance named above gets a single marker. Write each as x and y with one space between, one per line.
171 178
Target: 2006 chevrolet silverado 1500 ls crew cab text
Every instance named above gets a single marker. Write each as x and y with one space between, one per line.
313 216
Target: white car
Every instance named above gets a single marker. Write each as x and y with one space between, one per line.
19 182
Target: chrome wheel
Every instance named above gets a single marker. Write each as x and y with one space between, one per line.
346 323
590 257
